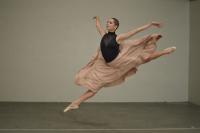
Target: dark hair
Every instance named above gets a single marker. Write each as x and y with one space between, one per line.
116 21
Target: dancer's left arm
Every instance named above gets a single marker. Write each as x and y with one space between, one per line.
126 35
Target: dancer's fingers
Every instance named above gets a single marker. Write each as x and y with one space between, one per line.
157 24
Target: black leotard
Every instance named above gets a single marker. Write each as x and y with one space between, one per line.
109 46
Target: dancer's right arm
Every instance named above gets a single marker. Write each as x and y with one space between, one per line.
99 26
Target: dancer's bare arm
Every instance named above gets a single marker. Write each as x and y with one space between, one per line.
126 35
99 26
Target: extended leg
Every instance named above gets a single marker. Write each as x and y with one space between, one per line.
75 104
160 53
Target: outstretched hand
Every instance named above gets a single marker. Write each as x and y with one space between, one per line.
95 17
157 24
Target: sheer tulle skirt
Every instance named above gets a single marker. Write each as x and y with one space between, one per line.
97 74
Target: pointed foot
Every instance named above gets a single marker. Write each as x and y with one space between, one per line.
156 36
70 107
170 50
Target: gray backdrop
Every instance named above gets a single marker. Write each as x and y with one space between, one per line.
43 43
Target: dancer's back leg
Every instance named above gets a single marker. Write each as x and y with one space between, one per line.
75 104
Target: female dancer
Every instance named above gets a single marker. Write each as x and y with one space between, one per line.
116 58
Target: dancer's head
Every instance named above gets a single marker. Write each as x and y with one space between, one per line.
112 24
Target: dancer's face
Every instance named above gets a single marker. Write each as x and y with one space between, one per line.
110 25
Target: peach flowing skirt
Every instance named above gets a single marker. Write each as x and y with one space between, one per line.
97 74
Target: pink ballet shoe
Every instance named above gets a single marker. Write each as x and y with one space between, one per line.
70 107
158 37
170 50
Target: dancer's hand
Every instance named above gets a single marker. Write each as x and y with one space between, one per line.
95 17
157 24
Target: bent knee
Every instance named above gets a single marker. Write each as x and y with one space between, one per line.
147 59
77 78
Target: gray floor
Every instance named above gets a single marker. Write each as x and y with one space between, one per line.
30 117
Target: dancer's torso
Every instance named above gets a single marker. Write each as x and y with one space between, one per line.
109 46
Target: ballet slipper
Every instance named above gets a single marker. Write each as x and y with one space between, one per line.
158 37
170 50
70 107
155 37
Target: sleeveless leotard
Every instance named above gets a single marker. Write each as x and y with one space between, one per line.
109 46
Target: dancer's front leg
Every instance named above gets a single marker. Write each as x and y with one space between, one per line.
75 104
157 54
